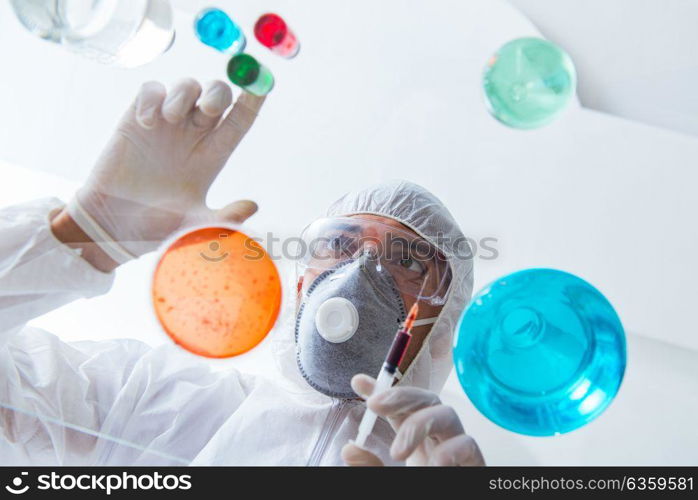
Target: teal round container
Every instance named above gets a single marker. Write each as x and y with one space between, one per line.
540 352
528 83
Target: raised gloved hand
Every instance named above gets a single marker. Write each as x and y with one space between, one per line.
427 432
157 168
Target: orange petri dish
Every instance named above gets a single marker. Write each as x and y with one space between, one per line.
216 292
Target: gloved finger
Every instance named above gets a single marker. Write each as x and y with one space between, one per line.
180 100
214 100
354 456
398 403
439 422
239 120
149 103
461 450
238 211
363 385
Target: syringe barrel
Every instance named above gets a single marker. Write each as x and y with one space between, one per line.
383 383
397 350
365 428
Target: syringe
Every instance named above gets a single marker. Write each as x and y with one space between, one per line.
387 374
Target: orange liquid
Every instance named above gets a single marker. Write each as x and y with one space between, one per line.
216 292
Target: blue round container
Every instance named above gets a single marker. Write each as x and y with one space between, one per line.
540 352
215 29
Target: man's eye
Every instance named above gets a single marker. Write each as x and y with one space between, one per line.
411 265
334 244
339 244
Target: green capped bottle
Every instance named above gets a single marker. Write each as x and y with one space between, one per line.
247 73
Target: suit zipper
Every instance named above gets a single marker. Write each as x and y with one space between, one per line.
338 411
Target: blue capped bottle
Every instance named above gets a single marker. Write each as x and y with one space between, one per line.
540 352
216 29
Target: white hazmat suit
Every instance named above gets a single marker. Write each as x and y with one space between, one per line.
163 401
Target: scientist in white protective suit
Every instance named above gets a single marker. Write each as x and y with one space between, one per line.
121 402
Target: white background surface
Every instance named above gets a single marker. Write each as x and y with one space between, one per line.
391 89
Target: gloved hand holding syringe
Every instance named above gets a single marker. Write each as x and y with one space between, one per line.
428 432
386 377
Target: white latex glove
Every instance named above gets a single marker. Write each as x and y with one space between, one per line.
158 166
427 432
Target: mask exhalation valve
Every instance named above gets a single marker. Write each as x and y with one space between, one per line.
337 320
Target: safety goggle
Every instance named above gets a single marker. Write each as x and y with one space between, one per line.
416 266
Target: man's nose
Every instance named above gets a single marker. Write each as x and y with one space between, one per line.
370 249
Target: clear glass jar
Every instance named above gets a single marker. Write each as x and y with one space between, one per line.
125 33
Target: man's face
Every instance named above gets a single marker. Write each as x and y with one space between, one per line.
416 266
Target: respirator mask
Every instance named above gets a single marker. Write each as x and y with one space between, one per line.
355 275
